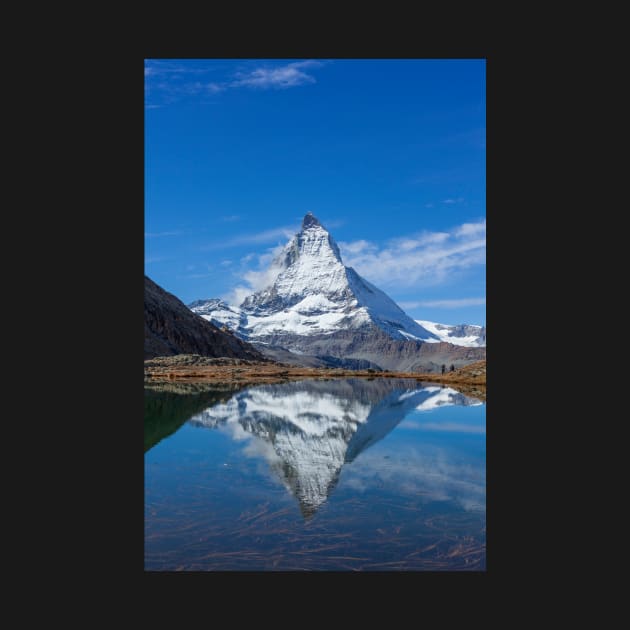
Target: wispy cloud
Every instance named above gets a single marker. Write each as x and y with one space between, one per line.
450 201
159 234
169 81
471 230
259 238
252 280
478 301
231 218
289 75
166 67
358 247
424 259
428 471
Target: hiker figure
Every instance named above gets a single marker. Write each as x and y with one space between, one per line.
443 368
452 368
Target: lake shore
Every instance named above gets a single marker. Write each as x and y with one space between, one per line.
470 379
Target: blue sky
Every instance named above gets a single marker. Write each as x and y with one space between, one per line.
388 154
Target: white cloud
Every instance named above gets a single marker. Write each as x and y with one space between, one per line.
266 236
458 200
427 470
307 63
225 263
237 295
424 259
162 67
266 272
256 279
171 80
471 229
407 243
231 218
480 301
357 247
281 77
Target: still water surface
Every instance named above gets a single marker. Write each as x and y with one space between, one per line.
353 474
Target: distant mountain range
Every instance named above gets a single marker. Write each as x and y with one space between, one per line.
317 311
459 335
170 328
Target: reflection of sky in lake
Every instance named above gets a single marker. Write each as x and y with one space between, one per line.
308 431
344 449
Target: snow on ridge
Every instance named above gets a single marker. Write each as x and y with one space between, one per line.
444 397
444 332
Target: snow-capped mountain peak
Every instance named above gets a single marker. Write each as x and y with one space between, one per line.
309 264
313 293
310 220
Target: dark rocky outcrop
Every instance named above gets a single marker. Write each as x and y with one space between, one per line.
170 328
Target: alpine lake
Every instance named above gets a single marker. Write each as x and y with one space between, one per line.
355 474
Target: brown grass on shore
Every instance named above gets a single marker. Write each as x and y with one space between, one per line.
470 379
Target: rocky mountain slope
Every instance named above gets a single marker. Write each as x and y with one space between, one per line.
170 328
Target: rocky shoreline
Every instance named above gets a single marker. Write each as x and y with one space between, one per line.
470 379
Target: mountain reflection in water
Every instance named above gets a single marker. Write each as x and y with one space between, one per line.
308 430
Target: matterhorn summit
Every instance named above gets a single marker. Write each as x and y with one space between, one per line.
314 305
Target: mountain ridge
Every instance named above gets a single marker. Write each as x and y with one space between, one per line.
469 335
171 328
